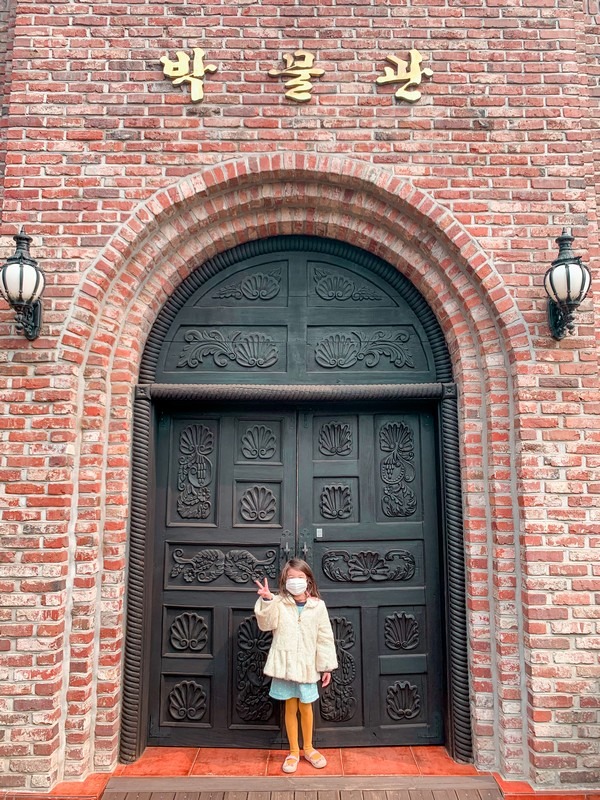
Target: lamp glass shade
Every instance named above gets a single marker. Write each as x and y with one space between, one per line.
567 283
21 283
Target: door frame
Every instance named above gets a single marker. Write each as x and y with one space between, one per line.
149 396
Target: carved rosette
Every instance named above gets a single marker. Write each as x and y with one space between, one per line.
342 566
245 349
397 470
338 287
335 439
194 475
188 631
240 566
401 632
258 504
402 701
344 350
187 700
258 443
338 701
336 502
252 702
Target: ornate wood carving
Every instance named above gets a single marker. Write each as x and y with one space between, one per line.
338 701
344 350
258 442
337 287
395 565
240 566
188 631
336 502
253 703
245 349
402 701
258 504
397 470
187 700
401 631
196 443
335 439
260 286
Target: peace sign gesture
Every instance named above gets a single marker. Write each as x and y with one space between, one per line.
263 590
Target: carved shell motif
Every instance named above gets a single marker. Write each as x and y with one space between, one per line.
402 701
337 350
260 286
258 442
258 504
401 632
188 631
335 439
196 440
335 502
187 701
256 350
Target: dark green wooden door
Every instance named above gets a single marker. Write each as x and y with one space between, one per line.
353 491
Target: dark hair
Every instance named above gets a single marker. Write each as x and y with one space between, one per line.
302 566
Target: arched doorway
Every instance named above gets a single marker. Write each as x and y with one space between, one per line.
296 398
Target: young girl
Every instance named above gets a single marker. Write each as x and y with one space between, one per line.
303 647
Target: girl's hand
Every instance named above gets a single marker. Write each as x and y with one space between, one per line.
264 591
325 679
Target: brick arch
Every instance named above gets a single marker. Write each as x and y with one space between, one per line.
181 226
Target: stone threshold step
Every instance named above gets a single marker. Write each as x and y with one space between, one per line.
274 784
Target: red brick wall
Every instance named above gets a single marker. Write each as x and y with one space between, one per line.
126 187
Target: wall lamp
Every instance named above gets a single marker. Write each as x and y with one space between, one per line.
21 284
567 283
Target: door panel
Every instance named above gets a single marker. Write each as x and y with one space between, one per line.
225 502
368 522
237 494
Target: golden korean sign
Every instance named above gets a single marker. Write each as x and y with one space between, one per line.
298 71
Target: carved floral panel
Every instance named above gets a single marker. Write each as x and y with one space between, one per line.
210 564
397 470
342 566
338 701
346 349
195 472
256 287
252 703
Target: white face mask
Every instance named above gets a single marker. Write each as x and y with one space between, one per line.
296 586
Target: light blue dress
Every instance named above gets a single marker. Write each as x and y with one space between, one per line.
285 690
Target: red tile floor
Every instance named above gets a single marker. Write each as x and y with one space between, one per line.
187 761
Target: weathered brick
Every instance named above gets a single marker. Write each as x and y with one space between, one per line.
126 187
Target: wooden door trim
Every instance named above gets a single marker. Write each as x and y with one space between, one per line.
295 393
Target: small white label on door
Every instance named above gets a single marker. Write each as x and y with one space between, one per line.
319 533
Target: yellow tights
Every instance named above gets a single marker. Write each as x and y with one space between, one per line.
292 707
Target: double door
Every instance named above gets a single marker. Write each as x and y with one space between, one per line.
353 492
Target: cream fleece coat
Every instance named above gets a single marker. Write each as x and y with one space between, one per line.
303 646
